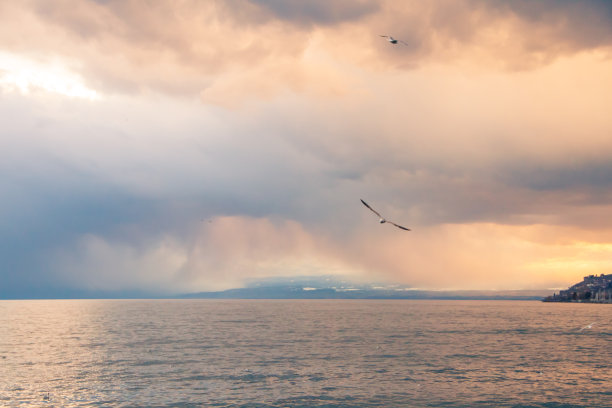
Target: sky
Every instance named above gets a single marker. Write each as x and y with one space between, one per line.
185 146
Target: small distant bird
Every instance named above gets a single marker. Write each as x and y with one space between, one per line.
393 40
381 219
588 326
46 397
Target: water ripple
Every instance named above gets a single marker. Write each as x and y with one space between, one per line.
184 353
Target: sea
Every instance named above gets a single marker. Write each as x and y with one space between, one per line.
304 353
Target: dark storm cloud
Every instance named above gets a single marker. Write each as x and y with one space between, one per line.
516 190
512 35
582 23
81 176
46 210
590 173
574 24
319 11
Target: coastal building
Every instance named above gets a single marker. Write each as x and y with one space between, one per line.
592 289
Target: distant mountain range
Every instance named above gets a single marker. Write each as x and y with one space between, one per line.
307 287
328 287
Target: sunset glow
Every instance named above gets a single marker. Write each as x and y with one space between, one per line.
28 77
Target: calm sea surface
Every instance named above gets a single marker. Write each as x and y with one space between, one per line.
313 353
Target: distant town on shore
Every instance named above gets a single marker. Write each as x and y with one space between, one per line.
593 289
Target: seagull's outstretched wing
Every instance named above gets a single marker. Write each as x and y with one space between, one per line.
386 36
588 326
405 43
371 209
399 226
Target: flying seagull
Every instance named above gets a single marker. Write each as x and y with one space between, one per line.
588 326
393 40
382 220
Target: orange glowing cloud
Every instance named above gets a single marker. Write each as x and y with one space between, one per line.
216 47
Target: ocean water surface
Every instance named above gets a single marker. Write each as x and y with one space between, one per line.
304 353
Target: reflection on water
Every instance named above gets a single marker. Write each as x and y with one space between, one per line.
304 353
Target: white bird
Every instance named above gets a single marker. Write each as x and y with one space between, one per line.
588 326
381 219
393 40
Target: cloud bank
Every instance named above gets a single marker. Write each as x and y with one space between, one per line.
233 140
